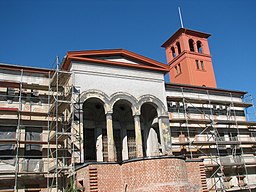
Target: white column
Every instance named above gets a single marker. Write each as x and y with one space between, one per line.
165 134
154 143
138 136
110 135
99 146
125 155
147 139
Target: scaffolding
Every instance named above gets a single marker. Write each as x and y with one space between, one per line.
54 108
64 130
21 138
202 136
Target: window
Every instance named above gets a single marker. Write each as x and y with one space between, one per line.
179 67
35 96
197 65
33 134
199 47
173 52
7 151
176 70
24 95
191 45
33 150
202 65
10 94
178 46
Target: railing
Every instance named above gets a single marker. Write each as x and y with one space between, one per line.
62 164
32 166
243 138
230 160
26 165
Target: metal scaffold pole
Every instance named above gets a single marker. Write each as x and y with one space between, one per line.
48 136
57 123
217 139
62 129
186 118
240 143
18 135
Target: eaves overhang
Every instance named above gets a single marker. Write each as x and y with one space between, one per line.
185 31
91 56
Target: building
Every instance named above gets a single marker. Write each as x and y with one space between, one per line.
105 120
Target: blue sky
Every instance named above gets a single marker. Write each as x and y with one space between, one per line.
33 32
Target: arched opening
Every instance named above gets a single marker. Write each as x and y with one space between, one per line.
94 131
178 47
124 132
173 52
191 45
150 130
199 47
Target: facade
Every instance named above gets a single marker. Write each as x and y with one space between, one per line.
105 120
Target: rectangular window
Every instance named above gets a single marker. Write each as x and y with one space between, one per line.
10 95
176 70
197 65
35 96
33 150
7 151
179 68
202 65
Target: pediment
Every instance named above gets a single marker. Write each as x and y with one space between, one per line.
118 57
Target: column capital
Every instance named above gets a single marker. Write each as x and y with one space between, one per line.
109 114
137 113
164 116
136 116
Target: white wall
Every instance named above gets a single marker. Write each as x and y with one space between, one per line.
202 96
111 79
16 77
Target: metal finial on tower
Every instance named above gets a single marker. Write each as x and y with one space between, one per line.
57 62
181 22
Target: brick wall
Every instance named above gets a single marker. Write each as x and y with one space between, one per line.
196 176
148 175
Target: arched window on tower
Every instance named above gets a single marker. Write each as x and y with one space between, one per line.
191 45
199 47
178 46
173 52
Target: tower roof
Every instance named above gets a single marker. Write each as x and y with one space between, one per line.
186 31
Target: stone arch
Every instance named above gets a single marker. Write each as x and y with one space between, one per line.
127 97
94 93
162 120
157 103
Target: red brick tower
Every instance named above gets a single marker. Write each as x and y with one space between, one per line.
189 58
